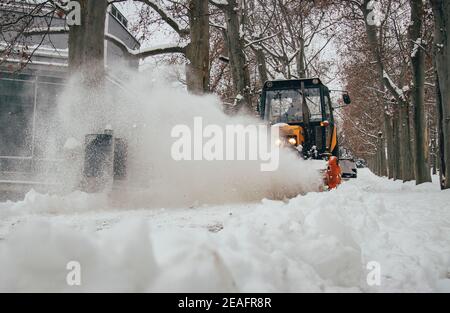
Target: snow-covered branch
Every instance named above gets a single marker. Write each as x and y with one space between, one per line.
398 93
251 43
167 17
46 31
219 3
147 52
221 27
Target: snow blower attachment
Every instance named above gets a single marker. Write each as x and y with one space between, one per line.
303 112
104 162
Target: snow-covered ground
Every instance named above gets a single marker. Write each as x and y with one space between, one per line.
316 242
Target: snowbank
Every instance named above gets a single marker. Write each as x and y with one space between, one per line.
317 242
37 203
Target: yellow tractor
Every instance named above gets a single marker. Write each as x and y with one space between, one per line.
304 113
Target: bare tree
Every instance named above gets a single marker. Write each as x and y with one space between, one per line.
441 10
406 156
421 163
15 21
86 41
197 52
234 33
195 38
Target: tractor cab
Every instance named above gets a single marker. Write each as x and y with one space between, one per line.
303 111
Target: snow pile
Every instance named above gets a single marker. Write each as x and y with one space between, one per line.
37 203
267 249
36 257
318 242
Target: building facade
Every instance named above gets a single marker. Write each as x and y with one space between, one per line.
29 92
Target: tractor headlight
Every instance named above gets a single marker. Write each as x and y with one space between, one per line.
293 141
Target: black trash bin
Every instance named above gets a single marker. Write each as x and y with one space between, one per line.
105 160
98 160
120 158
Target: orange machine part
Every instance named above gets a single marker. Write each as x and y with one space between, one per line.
296 131
333 174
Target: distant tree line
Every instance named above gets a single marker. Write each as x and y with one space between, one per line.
394 68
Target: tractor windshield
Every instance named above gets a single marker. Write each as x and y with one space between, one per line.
285 106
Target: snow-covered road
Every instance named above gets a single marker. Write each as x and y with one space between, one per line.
318 242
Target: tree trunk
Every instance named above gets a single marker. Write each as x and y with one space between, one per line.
87 43
238 62
434 153
262 66
301 67
397 161
404 134
383 167
377 159
198 71
373 163
441 10
389 144
421 164
440 133
405 144
388 137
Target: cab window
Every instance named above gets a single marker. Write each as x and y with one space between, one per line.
327 108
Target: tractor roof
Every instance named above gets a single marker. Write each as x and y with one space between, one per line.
292 83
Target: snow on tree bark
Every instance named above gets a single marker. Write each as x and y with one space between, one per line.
441 10
198 69
405 156
421 164
238 60
86 42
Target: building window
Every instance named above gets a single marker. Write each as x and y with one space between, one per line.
114 11
122 20
16 117
47 142
28 118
